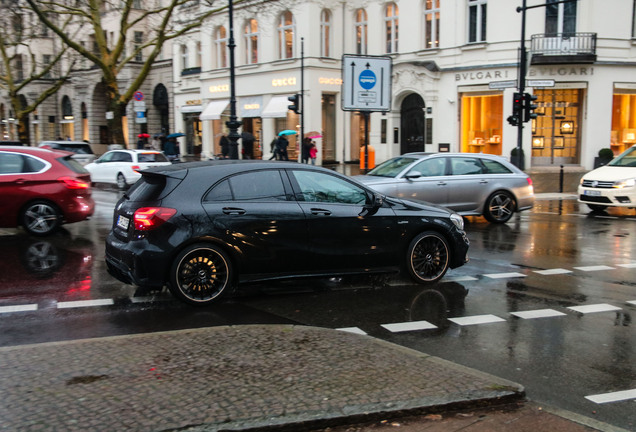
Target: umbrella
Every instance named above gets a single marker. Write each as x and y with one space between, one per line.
143 135
314 136
287 132
312 133
176 135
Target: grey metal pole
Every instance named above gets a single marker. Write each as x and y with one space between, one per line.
233 124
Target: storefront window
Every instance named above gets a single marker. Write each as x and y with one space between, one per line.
555 131
482 123
623 120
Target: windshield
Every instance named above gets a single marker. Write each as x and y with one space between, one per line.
625 159
392 167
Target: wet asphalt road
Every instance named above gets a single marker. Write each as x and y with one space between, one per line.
544 262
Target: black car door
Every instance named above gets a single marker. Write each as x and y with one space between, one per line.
257 216
343 235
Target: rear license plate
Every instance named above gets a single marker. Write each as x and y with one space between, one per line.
591 193
123 222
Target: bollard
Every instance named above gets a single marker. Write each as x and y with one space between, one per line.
561 180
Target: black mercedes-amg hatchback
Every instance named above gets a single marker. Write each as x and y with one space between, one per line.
203 228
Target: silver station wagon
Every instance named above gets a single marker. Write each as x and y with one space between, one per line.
471 184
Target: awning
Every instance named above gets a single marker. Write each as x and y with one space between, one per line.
191 108
276 107
214 109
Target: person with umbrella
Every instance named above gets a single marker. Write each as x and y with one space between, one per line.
171 148
282 143
248 145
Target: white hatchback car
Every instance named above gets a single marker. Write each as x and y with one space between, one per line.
121 167
612 185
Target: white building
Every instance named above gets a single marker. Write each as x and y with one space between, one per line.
451 60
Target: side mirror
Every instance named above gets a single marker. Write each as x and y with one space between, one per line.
413 175
376 201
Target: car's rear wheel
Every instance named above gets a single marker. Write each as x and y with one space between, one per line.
428 257
121 182
499 207
40 218
201 274
597 207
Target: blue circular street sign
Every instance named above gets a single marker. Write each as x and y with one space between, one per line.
367 79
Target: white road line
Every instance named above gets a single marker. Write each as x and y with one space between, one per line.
595 268
409 326
84 303
504 275
554 271
540 313
355 330
628 265
460 279
632 302
18 308
603 307
477 319
149 299
612 397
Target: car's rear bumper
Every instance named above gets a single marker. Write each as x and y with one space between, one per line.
78 209
136 262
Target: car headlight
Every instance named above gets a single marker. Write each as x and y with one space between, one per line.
457 220
625 183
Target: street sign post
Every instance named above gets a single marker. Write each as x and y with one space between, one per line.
366 83
540 83
502 84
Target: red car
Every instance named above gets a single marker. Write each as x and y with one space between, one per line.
41 189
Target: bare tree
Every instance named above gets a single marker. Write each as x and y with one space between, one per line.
31 59
162 20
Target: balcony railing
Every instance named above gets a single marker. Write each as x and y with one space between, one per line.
563 48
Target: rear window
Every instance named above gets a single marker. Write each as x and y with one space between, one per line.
152 187
151 157
72 164
75 148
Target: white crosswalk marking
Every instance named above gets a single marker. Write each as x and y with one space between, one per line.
628 265
460 279
409 326
594 268
504 275
633 302
540 313
355 330
554 271
84 303
612 397
18 308
603 307
477 319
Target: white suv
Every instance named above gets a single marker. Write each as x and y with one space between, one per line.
612 185
121 167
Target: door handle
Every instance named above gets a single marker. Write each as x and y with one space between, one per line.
20 181
323 212
233 211
441 183
483 181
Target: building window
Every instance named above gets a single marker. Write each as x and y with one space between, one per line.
251 41
560 18
477 20
481 123
184 56
286 30
46 62
361 31
634 20
199 55
138 41
220 43
325 33
431 24
391 27
19 67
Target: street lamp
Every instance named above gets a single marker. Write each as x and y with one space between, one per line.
233 124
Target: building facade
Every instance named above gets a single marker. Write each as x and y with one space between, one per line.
454 69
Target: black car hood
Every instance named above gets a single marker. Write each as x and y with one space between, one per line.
396 203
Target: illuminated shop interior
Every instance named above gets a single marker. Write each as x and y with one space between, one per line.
623 120
482 117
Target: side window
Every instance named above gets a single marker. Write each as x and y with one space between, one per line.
466 166
431 167
251 186
11 163
32 165
320 187
108 157
494 167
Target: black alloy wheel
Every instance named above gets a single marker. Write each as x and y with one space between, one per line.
428 257
200 274
500 207
41 218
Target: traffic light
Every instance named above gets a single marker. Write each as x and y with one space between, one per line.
529 107
517 109
295 103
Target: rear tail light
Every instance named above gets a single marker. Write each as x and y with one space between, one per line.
74 183
149 218
136 168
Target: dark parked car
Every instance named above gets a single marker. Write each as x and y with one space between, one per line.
204 227
468 183
82 151
11 143
41 189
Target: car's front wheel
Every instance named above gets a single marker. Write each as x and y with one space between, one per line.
121 182
499 207
201 274
428 257
40 218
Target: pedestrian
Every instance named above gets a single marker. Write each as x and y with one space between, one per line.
281 146
274 149
171 149
140 143
224 143
313 152
304 151
155 144
248 145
